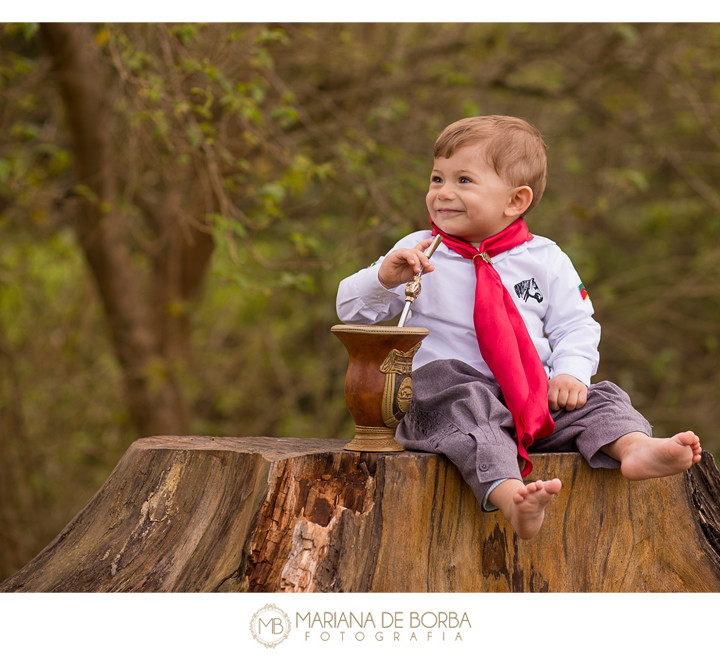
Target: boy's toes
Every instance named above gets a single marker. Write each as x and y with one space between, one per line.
554 486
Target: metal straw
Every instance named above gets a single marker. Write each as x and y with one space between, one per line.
412 289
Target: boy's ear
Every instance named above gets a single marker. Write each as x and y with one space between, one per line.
519 201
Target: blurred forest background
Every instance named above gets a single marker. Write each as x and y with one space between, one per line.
179 202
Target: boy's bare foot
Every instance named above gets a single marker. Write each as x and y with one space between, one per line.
523 505
642 457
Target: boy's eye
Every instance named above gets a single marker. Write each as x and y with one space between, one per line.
435 179
465 179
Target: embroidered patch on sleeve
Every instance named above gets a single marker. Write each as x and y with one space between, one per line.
583 292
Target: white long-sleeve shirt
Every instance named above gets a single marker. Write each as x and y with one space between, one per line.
540 278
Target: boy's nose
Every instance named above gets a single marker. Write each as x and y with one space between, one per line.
446 192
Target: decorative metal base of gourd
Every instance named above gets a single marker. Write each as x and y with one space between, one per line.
373 439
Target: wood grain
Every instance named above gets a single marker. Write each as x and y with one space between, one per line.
204 514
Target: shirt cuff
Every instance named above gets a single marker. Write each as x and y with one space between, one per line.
368 287
578 367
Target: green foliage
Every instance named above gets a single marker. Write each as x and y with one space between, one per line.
304 151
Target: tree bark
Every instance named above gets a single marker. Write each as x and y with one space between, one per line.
149 331
189 514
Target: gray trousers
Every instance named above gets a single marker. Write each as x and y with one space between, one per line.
458 412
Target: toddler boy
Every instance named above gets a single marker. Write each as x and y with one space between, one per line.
506 367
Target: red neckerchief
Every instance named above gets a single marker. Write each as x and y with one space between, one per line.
503 338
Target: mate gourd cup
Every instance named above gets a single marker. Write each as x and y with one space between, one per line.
378 383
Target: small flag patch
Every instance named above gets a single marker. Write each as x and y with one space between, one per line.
583 292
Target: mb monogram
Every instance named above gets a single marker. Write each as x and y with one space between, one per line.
270 625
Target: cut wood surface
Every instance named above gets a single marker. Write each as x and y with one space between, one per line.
207 514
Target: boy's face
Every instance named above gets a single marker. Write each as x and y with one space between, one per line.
468 199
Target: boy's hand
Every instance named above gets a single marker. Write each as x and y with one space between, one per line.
402 265
567 392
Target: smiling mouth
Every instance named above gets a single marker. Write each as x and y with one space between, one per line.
448 211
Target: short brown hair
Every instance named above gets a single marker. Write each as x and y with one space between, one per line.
514 148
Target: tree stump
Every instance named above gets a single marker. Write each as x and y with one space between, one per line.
205 514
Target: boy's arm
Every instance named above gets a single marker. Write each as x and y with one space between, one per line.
402 264
574 337
362 299
374 294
